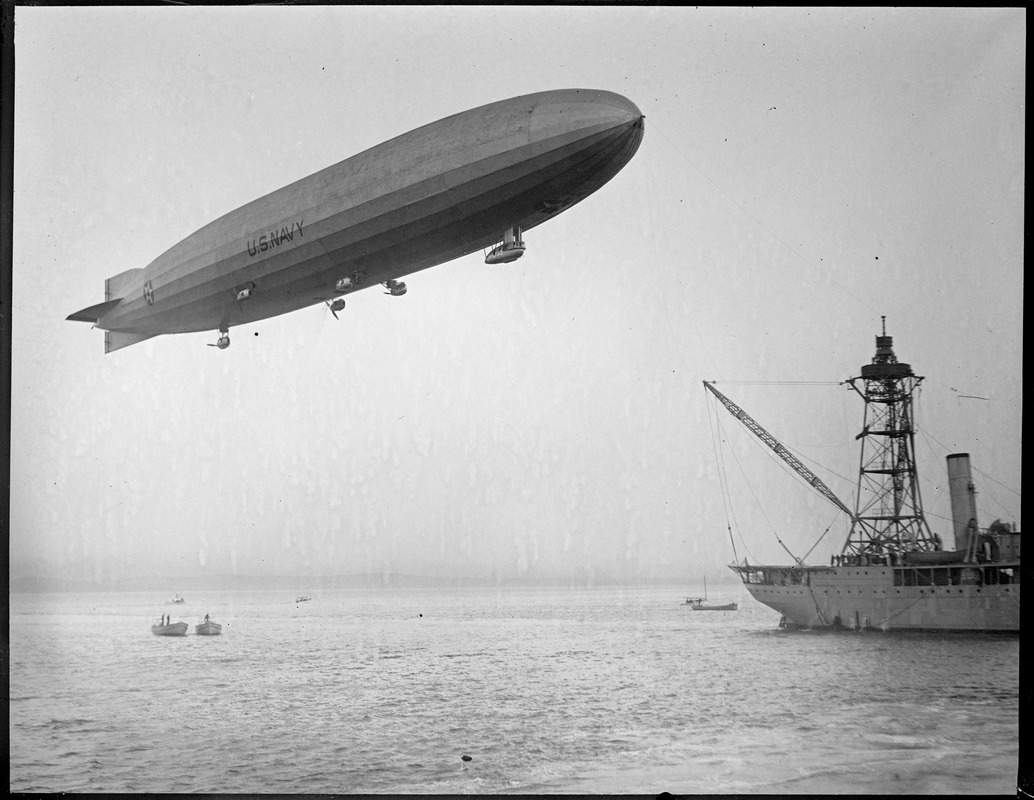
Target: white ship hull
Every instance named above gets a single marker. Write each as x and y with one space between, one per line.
875 597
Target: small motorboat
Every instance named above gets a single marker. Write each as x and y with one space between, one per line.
172 629
177 601
701 604
302 599
708 607
208 628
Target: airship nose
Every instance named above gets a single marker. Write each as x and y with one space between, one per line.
624 110
617 115
619 111
587 115
575 108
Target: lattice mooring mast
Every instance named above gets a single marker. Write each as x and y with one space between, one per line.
888 508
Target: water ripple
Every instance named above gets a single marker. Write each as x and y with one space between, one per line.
546 692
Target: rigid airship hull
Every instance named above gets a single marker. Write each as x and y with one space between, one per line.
439 192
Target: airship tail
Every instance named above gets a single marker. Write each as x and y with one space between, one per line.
121 285
94 313
116 289
113 340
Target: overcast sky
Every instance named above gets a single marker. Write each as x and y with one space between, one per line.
803 172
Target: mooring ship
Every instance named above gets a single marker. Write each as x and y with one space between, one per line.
893 573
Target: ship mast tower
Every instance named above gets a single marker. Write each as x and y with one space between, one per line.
888 514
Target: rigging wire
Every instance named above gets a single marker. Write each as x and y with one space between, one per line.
823 467
781 383
946 449
828 527
771 456
984 490
724 487
783 466
761 508
929 438
723 475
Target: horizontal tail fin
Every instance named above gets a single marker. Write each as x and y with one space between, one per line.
94 313
116 288
113 340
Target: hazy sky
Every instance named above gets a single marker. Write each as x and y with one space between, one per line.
803 172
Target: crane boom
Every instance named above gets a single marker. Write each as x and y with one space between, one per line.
813 480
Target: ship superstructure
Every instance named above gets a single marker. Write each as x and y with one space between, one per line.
893 572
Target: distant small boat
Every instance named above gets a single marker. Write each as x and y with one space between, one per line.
709 607
701 603
302 599
177 600
208 628
172 629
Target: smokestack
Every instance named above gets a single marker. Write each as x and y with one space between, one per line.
963 499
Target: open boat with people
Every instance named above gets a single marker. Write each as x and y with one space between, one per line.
171 629
208 628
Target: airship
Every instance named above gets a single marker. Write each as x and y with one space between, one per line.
472 181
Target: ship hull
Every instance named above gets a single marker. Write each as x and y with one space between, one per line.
951 598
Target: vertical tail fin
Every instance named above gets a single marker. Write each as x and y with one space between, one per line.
113 340
118 286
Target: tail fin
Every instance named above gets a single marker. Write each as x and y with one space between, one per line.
118 286
113 340
116 289
93 313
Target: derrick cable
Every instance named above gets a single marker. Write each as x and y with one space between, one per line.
774 444
724 481
803 457
818 608
726 501
786 468
828 528
783 383
762 510
723 484
769 451
797 453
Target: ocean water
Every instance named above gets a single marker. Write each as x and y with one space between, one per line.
616 690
